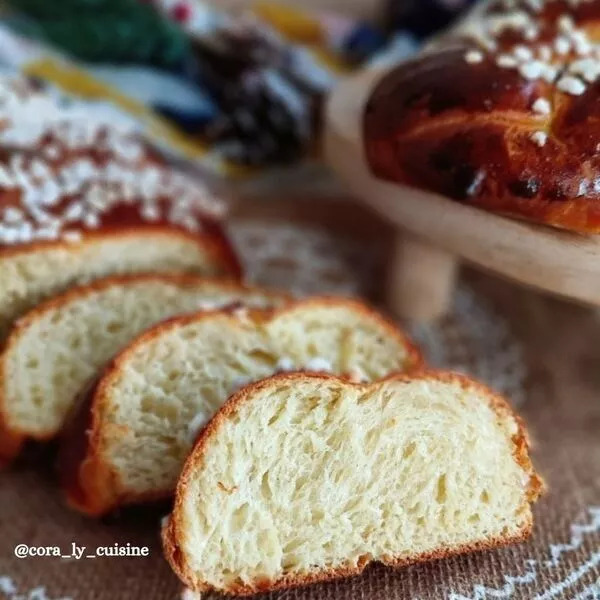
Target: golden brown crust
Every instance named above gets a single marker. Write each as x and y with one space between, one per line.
470 130
12 439
174 528
414 356
88 482
212 242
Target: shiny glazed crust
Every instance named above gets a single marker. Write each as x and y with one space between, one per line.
88 481
473 120
174 527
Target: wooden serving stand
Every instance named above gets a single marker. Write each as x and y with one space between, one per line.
433 233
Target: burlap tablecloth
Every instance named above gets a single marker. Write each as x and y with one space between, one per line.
560 347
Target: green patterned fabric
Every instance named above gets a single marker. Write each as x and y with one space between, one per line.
120 31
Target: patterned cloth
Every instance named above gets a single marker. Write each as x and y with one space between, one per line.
246 89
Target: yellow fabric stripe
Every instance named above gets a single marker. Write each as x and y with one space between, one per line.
297 26
77 82
291 22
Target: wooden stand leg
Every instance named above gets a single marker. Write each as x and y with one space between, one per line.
420 280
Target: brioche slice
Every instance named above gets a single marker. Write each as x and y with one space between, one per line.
302 478
138 422
34 272
57 347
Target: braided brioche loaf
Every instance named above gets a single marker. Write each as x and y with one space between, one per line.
139 420
83 196
302 478
81 330
502 113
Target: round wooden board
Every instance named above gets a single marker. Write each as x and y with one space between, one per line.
564 263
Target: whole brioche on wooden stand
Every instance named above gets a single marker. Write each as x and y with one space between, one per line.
302 478
81 330
81 198
137 423
500 114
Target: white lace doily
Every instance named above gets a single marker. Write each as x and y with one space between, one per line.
311 260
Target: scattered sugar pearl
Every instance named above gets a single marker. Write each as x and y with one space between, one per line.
8 235
91 221
532 70
71 237
506 62
531 33
357 375
74 212
549 73
539 138
39 169
150 212
587 68
522 53
580 42
188 594
565 23
541 106
545 53
12 215
474 56
319 364
208 305
571 85
6 179
562 45
241 313
535 5
284 364
52 152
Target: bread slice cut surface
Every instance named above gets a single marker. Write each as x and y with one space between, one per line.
305 477
31 273
149 405
57 347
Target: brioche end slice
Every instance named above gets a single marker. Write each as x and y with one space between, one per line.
30 273
155 395
302 478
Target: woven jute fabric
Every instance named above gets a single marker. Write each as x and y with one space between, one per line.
560 350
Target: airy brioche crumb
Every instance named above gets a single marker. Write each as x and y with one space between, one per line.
81 330
160 391
302 477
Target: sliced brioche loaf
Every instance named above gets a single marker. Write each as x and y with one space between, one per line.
54 349
140 419
83 195
302 478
